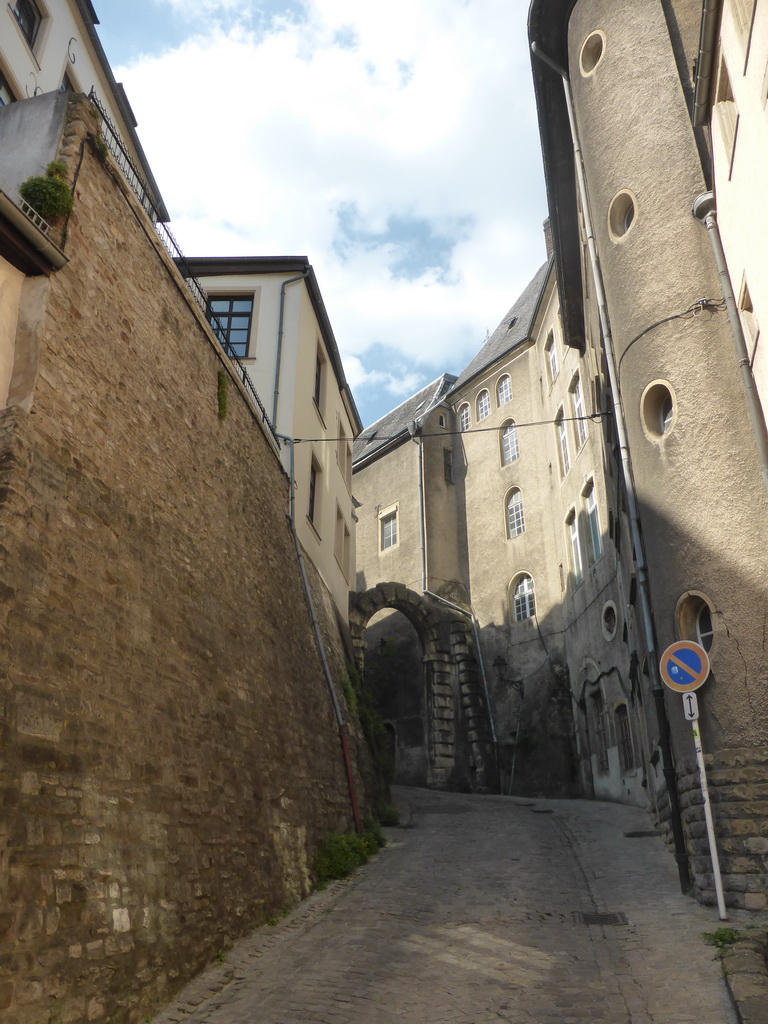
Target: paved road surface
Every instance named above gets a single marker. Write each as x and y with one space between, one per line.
472 915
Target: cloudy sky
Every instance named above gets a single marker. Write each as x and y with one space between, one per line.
393 144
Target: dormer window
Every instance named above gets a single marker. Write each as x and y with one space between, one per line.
29 18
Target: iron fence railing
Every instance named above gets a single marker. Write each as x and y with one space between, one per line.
122 158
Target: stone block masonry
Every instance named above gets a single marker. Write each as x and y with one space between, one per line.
169 756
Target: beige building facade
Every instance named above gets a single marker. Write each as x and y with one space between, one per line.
487 492
269 313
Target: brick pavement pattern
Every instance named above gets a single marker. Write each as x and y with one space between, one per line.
472 915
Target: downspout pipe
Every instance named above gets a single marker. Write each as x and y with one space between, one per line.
319 641
414 429
657 687
476 632
710 16
279 355
704 211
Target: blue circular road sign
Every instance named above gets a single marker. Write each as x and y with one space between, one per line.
684 666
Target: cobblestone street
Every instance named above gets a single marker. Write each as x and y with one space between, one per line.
474 914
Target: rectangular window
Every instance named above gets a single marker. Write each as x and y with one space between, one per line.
230 317
726 115
28 17
551 350
562 439
317 390
387 530
624 740
743 13
448 465
313 506
577 401
601 735
572 525
6 96
342 543
593 524
749 320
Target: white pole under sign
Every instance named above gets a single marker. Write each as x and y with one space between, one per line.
684 668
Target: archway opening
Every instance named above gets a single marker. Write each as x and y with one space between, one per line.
394 678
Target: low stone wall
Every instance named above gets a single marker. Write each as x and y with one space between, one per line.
738 787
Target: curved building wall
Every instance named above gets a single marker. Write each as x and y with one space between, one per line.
701 499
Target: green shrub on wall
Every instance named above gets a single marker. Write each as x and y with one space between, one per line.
49 196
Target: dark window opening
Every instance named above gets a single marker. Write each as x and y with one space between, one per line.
230 317
29 18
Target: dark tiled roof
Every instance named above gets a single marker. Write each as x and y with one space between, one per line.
515 328
395 423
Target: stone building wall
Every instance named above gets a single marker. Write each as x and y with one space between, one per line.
170 757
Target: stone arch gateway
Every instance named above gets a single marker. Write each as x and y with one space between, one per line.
461 753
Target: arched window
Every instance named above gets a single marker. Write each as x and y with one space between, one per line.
510 446
694 620
483 405
464 418
504 390
515 518
523 604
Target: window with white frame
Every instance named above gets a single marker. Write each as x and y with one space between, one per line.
388 534
510 446
464 418
515 517
562 442
523 602
593 522
577 402
504 390
551 350
483 405
574 545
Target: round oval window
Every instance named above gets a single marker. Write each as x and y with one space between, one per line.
592 53
658 409
621 214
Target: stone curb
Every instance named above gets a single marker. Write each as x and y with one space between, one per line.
745 969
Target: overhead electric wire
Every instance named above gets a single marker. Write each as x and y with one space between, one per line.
595 417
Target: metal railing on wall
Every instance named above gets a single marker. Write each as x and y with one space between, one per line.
122 158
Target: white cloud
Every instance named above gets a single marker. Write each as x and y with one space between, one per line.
415 112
